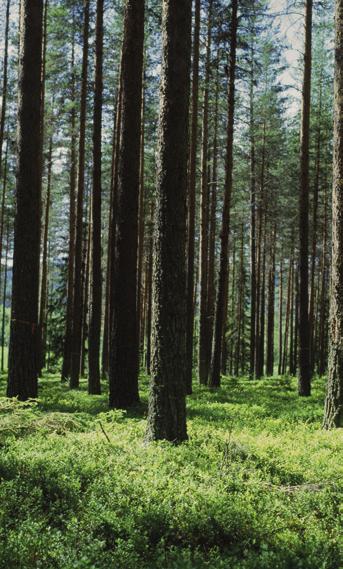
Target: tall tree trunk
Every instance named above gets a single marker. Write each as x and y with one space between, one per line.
77 284
271 310
167 402
141 233
44 279
4 86
304 386
111 232
204 219
211 292
4 302
67 347
225 229
280 315
94 386
191 197
333 414
124 341
149 285
22 377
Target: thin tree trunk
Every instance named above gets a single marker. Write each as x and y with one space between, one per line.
204 219
77 284
44 280
4 303
304 385
22 377
67 348
167 402
280 315
224 240
191 198
271 311
4 85
94 386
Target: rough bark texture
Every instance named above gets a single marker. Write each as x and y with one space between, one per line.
4 84
124 341
22 378
334 400
77 285
96 276
304 386
191 197
167 405
225 229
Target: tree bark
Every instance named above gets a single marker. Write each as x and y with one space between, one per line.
94 386
333 413
204 339
4 86
225 230
77 284
123 373
304 385
22 377
167 402
191 197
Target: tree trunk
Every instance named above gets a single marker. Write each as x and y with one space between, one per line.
167 402
333 414
271 311
77 284
44 280
4 302
124 341
191 197
4 86
304 385
67 348
204 219
22 377
280 315
224 238
94 386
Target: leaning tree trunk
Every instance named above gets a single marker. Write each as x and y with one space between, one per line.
333 415
225 229
22 377
123 373
95 244
304 386
167 402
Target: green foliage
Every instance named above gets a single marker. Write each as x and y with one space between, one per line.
257 485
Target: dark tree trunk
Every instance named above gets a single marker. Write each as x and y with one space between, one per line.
66 365
141 236
225 229
22 377
167 402
204 221
111 234
44 279
191 198
271 311
149 285
4 302
94 386
77 284
280 315
124 341
304 386
333 414
4 85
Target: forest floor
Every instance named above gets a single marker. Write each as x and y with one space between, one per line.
258 486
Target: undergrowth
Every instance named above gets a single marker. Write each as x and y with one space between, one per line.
257 486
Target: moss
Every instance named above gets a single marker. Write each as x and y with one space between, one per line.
258 484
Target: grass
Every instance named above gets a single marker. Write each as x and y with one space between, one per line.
258 485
